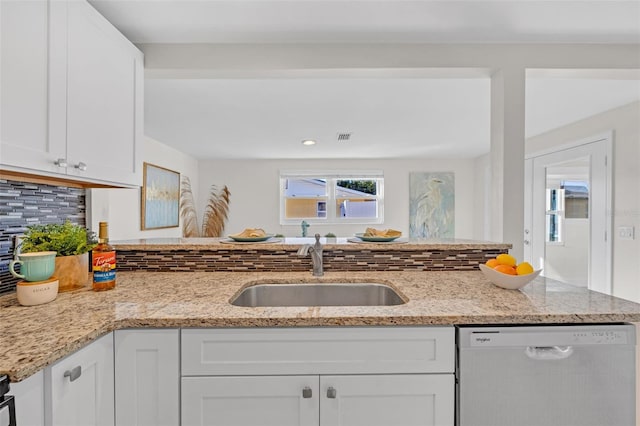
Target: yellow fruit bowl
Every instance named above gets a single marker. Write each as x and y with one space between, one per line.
510 282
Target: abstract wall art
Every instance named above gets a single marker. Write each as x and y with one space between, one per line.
160 198
431 205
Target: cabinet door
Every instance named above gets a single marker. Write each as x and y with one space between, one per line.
147 383
104 98
250 401
85 399
398 400
24 52
29 398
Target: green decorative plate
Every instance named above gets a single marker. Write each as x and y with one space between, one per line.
250 239
371 239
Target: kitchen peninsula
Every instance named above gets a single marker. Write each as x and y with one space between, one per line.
170 319
34 337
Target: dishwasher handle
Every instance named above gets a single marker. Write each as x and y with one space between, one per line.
548 353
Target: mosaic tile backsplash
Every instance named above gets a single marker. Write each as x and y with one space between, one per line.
23 204
288 260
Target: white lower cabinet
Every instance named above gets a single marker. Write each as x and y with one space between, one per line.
79 388
368 400
347 376
147 381
29 398
387 400
252 400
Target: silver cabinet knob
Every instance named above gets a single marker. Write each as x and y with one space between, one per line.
307 392
61 162
526 242
74 373
331 392
81 166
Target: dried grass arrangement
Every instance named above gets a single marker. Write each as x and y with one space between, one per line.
215 213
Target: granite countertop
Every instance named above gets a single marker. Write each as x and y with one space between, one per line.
293 243
34 337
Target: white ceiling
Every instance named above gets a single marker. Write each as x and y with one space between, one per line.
297 21
389 117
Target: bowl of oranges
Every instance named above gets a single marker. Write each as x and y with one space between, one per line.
504 271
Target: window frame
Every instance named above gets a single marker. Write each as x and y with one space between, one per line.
557 212
332 177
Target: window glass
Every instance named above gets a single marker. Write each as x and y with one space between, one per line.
554 215
576 199
356 199
305 198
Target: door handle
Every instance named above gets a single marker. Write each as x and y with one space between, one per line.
331 392
74 373
307 392
61 162
541 353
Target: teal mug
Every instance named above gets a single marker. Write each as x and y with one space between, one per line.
37 266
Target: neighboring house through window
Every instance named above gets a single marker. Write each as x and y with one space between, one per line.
331 197
566 200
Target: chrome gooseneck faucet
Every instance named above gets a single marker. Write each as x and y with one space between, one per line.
316 256
304 225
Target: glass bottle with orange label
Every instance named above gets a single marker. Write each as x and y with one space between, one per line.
103 261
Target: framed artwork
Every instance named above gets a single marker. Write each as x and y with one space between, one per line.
160 198
431 205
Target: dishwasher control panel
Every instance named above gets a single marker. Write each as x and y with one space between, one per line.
604 337
548 336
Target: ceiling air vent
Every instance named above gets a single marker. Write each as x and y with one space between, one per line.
343 137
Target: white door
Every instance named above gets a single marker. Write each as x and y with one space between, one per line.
79 389
386 400
29 398
104 98
24 67
566 246
250 401
147 381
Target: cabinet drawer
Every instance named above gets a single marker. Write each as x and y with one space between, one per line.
343 350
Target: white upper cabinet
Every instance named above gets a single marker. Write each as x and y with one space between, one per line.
104 80
24 48
82 115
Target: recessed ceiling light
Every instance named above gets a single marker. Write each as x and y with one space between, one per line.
308 142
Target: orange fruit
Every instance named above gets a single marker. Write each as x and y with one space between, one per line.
506 259
506 269
524 268
492 263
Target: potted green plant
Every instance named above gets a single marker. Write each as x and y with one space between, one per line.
71 242
331 237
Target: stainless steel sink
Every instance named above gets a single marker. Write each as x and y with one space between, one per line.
324 294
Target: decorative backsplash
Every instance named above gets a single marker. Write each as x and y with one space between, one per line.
289 261
23 204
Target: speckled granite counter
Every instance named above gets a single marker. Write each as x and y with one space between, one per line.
34 337
292 243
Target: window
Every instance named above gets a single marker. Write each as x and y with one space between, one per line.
331 197
555 214
569 200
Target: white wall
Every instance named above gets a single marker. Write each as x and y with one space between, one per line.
254 187
482 189
121 207
625 123
569 261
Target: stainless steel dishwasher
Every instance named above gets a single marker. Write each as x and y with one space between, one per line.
548 375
